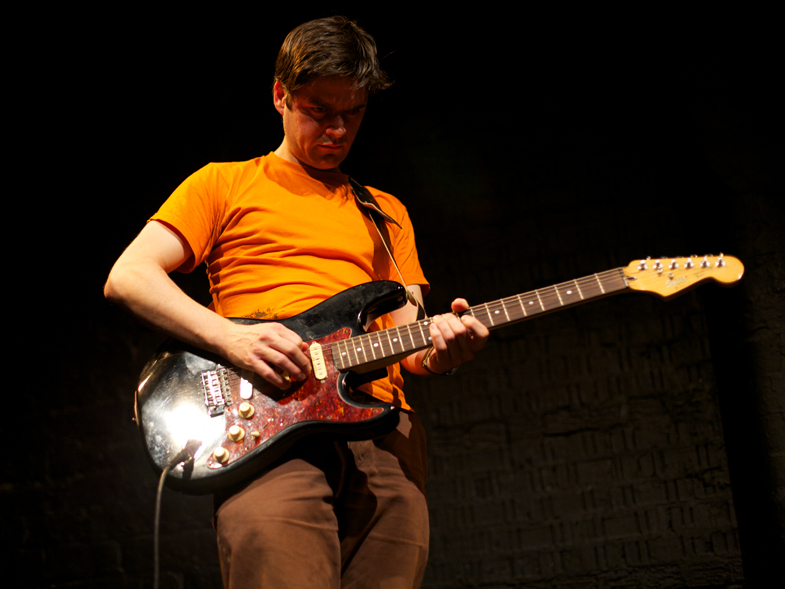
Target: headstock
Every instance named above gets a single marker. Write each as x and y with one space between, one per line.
668 276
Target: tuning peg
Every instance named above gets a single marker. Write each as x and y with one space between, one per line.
688 263
674 265
642 265
720 261
705 262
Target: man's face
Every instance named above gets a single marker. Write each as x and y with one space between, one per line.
322 122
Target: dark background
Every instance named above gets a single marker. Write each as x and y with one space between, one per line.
631 442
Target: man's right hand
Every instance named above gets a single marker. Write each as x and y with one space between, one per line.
269 349
140 282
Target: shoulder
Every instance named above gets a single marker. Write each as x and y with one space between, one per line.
228 171
389 203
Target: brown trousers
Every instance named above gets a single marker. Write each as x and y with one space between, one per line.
332 514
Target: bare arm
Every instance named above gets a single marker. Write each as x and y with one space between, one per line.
140 282
455 340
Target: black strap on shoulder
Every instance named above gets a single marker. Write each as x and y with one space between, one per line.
366 199
378 216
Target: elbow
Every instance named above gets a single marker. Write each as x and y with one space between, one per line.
110 289
113 288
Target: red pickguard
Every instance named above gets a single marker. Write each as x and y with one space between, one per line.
311 401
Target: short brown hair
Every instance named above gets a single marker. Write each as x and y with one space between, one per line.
333 46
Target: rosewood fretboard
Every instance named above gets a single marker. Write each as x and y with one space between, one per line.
376 346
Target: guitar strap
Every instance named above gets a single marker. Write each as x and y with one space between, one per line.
366 200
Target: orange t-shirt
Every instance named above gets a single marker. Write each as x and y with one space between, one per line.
277 240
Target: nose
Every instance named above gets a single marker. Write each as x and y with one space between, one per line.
336 127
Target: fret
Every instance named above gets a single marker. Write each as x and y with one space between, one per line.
389 339
349 351
548 299
490 316
361 348
397 339
537 292
497 312
373 345
599 282
420 324
531 301
567 294
379 345
336 354
346 355
523 306
506 314
578 286
561 302
411 338
427 324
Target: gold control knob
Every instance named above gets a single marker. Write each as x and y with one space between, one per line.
236 433
221 454
246 410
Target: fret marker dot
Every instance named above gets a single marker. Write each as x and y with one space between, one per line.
395 339
375 345
429 338
496 312
569 292
531 302
359 349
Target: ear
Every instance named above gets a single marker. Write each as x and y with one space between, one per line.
279 97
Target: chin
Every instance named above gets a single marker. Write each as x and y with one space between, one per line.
327 163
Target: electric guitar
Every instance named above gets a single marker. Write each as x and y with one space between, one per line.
235 423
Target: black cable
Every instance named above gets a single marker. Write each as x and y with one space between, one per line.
184 456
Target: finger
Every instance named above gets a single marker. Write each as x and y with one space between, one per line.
294 360
458 337
459 305
286 359
269 374
478 333
449 350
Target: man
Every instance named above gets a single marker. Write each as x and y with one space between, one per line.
280 234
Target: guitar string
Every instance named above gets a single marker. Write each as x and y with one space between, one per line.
546 296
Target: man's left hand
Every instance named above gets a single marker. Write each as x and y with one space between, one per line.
455 339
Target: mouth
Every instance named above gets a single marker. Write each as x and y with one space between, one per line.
330 146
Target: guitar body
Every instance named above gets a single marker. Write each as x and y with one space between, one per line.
187 394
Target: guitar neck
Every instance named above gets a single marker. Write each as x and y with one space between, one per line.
380 348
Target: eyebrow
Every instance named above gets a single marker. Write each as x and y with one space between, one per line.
316 101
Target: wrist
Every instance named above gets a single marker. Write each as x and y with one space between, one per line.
425 366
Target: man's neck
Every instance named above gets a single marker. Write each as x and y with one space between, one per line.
284 153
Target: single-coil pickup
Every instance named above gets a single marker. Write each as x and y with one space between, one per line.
317 361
